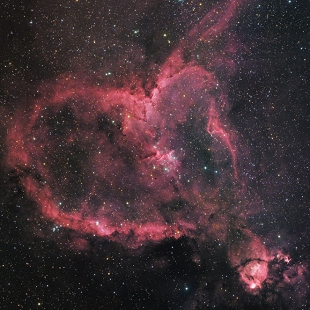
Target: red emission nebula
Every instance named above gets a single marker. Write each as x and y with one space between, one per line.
137 167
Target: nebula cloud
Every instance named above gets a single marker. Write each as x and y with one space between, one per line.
139 164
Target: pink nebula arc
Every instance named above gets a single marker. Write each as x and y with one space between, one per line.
135 168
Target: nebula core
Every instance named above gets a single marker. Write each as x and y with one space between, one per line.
147 161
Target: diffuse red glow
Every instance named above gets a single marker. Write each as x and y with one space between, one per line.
122 165
249 256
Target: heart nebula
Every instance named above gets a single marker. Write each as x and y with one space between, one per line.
138 166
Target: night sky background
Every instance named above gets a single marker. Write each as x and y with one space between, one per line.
115 44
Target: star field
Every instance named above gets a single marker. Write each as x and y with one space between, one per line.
154 155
